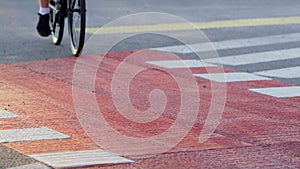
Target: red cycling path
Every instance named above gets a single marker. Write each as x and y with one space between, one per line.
255 130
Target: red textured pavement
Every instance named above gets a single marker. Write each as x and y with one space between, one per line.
255 130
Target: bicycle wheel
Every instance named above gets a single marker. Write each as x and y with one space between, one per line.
76 18
56 20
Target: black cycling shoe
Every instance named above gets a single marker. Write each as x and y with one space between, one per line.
43 27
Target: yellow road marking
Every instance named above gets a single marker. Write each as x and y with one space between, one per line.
195 25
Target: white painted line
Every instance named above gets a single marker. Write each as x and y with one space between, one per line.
31 166
172 64
279 92
80 158
5 114
186 49
30 134
231 77
291 72
230 44
257 57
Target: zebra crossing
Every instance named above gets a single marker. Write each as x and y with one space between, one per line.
88 157
238 60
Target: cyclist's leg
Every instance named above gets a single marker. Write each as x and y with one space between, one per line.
44 3
43 23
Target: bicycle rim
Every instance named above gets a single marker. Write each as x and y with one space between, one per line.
77 14
56 20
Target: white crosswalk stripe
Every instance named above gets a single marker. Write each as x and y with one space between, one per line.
80 158
231 77
290 72
180 64
30 134
5 114
279 92
257 57
230 44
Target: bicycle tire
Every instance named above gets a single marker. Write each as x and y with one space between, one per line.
77 21
57 20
